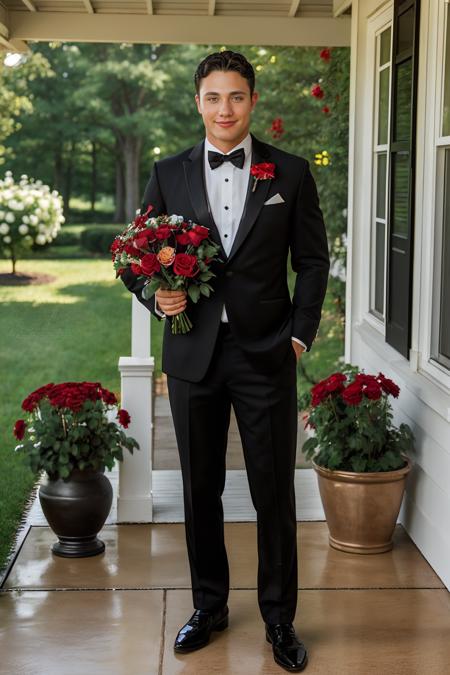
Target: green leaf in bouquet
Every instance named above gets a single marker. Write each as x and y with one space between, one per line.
205 289
210 250
194 292
150 289
205 276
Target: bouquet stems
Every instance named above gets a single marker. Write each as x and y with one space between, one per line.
181 323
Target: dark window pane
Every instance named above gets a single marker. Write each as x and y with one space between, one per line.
403 102
405 30
381 186
385 46
379 267
446 117
444 323
383 107
400 193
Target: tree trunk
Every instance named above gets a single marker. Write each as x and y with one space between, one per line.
131 148
119 213
58 172
93 176
68 180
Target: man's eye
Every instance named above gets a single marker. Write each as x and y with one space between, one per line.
239 98
212 99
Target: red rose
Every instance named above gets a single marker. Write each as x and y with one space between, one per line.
277 127
136 269
330 385
325 109
388 386
115 246
183 238
372 391
318 393
32 400
263 170
325 54
108 396
19 429
197 234
185 265
138 242
144 237
335 382
124 417
352 394
163 232
130 249
150 264
317 91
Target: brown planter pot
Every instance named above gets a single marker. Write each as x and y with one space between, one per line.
361 508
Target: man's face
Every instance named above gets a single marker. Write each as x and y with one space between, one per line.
225 104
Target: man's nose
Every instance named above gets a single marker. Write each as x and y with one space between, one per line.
225 108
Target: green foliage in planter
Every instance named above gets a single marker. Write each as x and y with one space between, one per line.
351 417
69 429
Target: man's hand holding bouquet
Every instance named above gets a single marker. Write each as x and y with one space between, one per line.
173 254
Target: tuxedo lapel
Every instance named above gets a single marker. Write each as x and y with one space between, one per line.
195 181
254 200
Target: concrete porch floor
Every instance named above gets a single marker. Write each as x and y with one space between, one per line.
118 612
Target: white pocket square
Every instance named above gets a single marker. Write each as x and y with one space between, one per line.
276 199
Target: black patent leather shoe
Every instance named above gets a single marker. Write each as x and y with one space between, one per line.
288 651
197 631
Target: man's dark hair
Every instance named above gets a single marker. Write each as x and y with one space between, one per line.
226 60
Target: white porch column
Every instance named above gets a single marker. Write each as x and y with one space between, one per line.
134 501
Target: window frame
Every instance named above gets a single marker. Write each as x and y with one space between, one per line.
442 143
377 151
376 24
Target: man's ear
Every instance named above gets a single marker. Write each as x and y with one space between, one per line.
197 100
255 97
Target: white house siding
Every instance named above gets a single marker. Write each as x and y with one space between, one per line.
424 401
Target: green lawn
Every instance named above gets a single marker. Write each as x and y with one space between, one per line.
76 328
73 329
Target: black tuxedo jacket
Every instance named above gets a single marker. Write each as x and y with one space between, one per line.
252 279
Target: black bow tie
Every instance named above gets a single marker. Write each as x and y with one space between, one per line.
237 157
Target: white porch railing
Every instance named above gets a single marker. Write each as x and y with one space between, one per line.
135 500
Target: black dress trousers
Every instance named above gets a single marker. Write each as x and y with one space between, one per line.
266 412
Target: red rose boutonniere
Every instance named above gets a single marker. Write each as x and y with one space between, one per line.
261 171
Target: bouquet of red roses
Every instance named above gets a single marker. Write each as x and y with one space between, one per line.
171 253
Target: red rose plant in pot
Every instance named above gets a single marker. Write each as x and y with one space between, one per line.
73 431
359 455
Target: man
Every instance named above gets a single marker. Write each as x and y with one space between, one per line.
244 344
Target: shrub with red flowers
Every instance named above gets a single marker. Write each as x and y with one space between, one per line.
71 425
169 252
350 415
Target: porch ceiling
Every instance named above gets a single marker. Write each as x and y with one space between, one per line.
265 22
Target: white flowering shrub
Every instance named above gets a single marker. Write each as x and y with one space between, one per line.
29 214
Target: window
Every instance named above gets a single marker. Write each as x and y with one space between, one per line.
440 351
380 171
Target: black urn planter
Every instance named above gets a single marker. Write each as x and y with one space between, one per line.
76 509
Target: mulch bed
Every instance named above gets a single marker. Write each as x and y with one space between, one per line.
21 279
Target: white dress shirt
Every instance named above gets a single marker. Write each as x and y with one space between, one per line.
226 188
